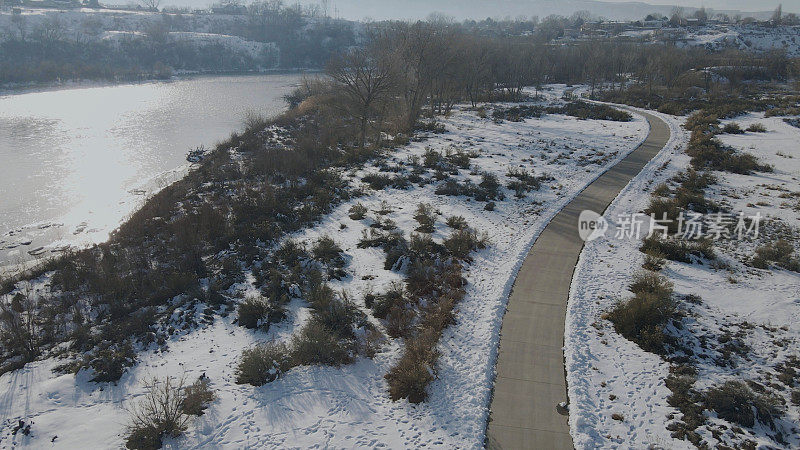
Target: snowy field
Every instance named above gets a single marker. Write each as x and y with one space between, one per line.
609 375
748 37
115 26
349 407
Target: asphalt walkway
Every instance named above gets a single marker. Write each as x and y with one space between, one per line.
530 378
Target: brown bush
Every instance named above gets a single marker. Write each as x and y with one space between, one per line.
253 312
643 318
263 363
457 222
678 250
462 242
197 396
426 217
779 253
647 282
409 378
317 345
159 414
735 402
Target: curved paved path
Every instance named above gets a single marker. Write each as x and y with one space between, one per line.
530 366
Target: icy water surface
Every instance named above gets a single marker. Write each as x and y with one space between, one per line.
75 162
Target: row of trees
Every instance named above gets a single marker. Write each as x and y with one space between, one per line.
49 48
405 70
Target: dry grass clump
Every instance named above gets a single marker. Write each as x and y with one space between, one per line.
735 402
643 318
779 253
422 310
335 335
677 249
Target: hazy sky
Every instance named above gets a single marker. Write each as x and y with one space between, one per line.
742 5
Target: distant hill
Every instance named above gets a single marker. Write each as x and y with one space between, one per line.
481 9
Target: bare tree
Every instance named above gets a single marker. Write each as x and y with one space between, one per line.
365 83
49 31
160 413
150 5
408 50
21 23
777 15
20 327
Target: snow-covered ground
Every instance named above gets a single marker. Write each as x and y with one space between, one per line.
113 26
608 374
92 22
233 43
349 407
747 37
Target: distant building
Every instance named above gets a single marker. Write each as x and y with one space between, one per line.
229 9
57 4
654 24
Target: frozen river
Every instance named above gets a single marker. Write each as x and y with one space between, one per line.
75 162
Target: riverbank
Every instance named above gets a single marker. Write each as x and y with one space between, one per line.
37 87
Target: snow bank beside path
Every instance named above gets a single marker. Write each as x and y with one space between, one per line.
601 364
609 375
